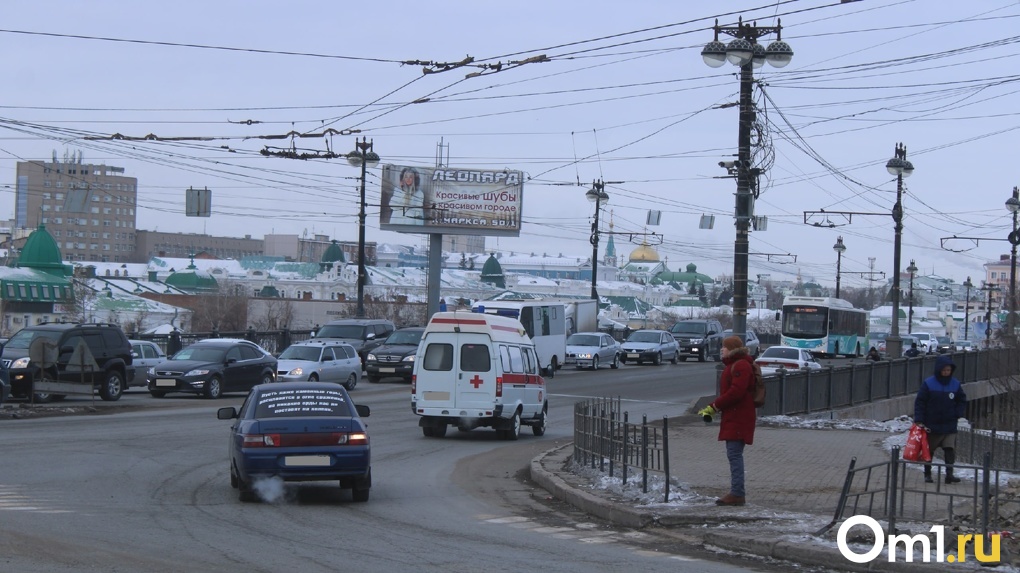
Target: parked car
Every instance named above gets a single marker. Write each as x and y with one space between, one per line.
364 334
395 356
323 361
592 349
965 346
304 431
926 342
144 355
650 345
5 384
701 339
876 340
751 341
945 344
908 340
106 344
774 358
212 368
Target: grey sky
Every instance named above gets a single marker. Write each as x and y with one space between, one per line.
625 97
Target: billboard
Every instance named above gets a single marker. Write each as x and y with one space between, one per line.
451 201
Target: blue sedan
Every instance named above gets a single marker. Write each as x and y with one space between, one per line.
300 431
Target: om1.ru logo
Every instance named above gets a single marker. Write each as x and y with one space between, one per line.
909 541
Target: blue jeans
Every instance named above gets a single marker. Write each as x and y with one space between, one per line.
735 454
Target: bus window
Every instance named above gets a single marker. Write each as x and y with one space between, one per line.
545 320
528 320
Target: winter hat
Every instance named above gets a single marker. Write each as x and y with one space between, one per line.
732 343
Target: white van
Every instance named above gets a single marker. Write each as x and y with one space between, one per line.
476 370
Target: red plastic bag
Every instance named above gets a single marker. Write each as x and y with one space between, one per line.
916 449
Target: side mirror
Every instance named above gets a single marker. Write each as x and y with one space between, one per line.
778 315
226 413
230 361
370 336
363 410
711 333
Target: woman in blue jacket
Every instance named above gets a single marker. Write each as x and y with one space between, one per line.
939 404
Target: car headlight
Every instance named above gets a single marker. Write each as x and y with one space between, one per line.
584 355
197 372
371 356
408 358
296 371
20 363
152 371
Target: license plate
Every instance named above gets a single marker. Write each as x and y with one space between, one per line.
632 355
165 382
388 370
320 461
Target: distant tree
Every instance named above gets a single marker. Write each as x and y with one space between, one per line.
692 288
463 261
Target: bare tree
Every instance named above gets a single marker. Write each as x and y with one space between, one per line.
278 313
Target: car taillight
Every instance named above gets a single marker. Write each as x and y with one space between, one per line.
261 440
414 383
499 386
303 440
356 439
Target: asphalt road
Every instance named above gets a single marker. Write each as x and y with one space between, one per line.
146 489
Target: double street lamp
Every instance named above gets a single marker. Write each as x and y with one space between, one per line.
840 248
966 310
1013 205
900 167
597 194
364 157
745 52
910 315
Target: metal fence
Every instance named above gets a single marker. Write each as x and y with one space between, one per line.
1002 448
895 491
806 391
604 436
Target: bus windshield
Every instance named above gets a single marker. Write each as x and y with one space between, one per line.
805 321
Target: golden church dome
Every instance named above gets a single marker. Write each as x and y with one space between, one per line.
644 253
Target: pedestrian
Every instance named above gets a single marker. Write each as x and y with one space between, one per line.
939 404
736 404
873 355
912 352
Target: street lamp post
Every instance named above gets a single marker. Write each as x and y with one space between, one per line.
364 157
900 167
966 310
597 195
910 315
839 247
744 51
1013 205
988 312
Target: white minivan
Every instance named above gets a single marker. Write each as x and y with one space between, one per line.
477 370
926 342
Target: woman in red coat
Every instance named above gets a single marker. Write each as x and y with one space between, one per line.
736 403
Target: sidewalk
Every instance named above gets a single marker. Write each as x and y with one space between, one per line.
794 478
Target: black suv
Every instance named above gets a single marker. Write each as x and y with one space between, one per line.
107 344
364 334
395 356
699 339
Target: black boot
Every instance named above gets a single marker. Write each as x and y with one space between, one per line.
950 454
927 474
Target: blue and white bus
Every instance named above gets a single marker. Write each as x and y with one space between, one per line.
825 326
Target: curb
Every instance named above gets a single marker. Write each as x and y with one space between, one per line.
547 470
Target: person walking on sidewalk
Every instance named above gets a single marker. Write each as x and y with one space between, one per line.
939 404
873 355
736 403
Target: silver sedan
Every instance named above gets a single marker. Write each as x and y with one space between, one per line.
592 349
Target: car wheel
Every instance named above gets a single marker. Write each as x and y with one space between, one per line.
538 428
213 389
360 495
616 362
439 431
427 431
113 387
514 431
233 477
351 382
245 493
42 397
658 359
702 355
313 377
595 362
267 378
157 393
676 358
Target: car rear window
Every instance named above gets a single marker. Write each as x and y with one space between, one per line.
790 353
475 358
438 357
284 402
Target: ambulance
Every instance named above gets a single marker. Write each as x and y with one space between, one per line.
477 370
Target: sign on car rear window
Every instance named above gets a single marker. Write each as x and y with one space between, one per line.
284 402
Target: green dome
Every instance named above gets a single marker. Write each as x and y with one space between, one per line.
269 291
192 280
41 252
333 254
492 272
685 278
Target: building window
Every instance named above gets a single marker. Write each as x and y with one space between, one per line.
60 196
95 210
